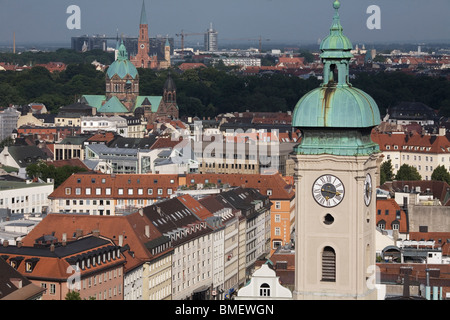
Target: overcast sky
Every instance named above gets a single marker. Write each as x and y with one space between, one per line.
293 21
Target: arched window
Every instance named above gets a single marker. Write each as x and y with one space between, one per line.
329 264
264 290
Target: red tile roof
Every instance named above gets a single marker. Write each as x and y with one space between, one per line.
195 206
137 183
131 227
442 239
412 142
279 188
391 207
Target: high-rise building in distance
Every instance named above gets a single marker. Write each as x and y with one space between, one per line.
211 43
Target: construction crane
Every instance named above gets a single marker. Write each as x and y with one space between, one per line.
182 35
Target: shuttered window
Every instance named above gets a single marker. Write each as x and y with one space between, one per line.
328 265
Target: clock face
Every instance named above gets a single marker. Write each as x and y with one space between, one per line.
328 191
142 46
368 189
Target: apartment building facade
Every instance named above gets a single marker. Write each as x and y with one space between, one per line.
105 194
192 243
423 152
25 197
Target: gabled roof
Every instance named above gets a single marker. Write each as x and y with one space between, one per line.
113 105
53 264
131 227
391 207
412 142
195 206
26 155
14 286
155 101
95 101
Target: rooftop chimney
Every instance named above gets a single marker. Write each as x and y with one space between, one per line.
120 240
17 282
147 231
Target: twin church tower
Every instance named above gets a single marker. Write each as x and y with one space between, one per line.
336 171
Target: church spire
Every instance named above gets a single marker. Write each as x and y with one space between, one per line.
143 14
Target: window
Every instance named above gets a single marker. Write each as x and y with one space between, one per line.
108 191
277 218
130 191
88 191
277 205
120 191
149 191
329 264
269 192
77 191
52 288
68 190
98 191
160 191
264 290
277 231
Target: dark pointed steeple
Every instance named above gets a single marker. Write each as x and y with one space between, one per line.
143 14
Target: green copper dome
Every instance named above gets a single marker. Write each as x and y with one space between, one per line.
122 66
336 118
337 107
336 104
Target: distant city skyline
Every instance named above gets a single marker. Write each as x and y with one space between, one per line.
287 21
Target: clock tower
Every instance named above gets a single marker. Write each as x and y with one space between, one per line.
143 59
336 170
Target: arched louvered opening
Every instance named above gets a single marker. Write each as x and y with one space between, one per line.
264 290
329 264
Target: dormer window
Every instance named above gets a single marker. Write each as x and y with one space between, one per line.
30 264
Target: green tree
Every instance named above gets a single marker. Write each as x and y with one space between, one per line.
44 171
386 172
440 174
407 172
73 295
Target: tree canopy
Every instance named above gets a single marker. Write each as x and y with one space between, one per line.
209 91
386 172
440 174
45 171
407 173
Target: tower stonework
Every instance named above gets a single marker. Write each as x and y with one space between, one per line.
336 171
